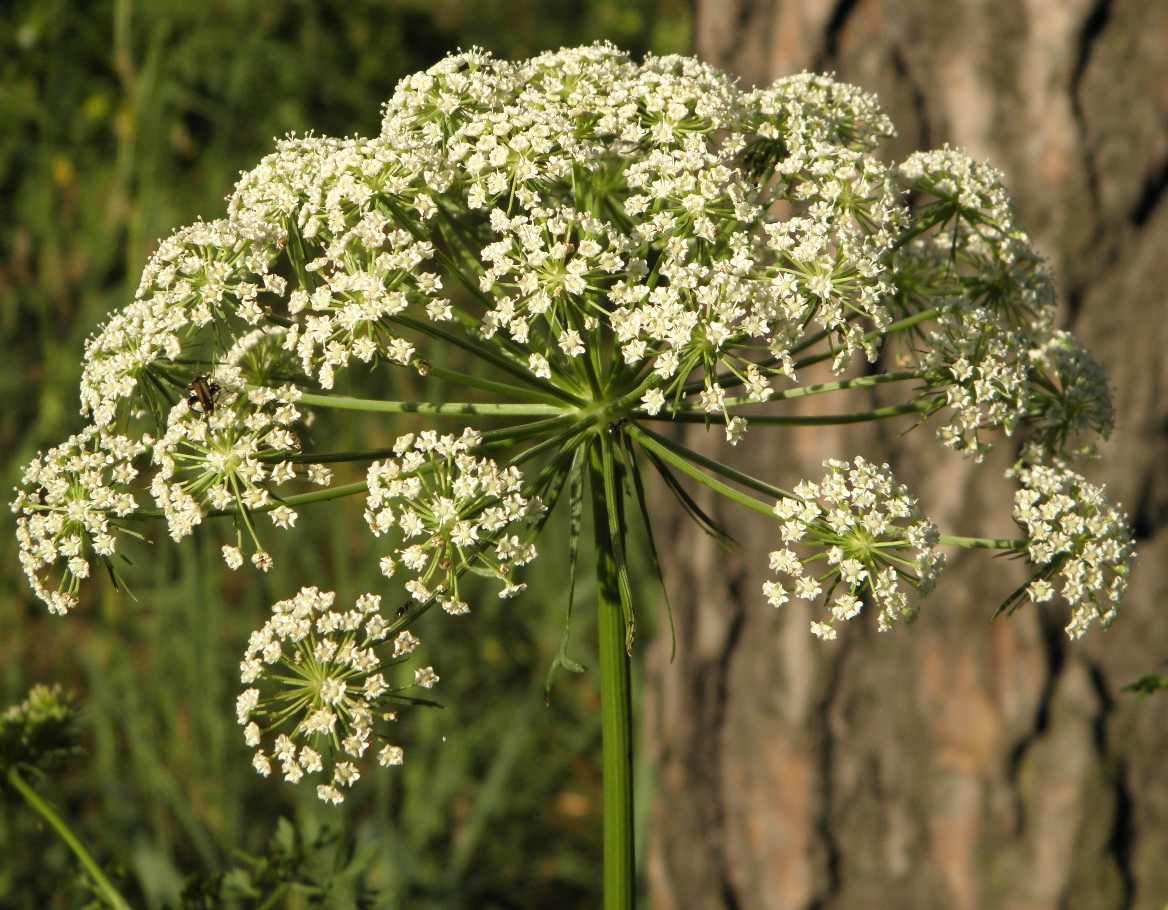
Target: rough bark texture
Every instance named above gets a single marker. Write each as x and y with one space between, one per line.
958 764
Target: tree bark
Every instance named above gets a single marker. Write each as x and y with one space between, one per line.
960 764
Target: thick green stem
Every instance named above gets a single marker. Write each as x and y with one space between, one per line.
615 707
102 885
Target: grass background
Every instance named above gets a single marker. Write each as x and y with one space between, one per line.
119 122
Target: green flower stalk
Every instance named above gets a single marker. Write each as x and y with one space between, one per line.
610 245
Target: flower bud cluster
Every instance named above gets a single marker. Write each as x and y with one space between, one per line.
454 512
40 732
324 672
66 506
870 537
1070 401
1078 540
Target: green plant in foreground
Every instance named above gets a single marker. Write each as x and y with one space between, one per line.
38 735
613 246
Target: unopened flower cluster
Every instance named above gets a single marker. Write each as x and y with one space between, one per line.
1081 543
454 512
326 672
1070 402
867 537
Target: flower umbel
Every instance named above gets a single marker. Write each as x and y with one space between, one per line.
1078 540
324 670
577 246
1071 401
977 366
230 460
869 533
67 506
455 512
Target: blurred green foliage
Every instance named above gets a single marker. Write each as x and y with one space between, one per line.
120 121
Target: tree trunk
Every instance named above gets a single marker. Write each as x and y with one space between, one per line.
960 764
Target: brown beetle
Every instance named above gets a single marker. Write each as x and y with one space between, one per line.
203 392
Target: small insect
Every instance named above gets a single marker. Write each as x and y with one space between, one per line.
403 610
203 392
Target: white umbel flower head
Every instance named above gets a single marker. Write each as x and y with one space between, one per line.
453 513
322 673
1079 541
868 539
67 506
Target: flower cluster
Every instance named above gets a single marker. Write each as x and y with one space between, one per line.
228 457
869 533
205 274
964 224
543 262
715 224
1077 538
1070 401
329 688
978 367
455 513
70 496
699 275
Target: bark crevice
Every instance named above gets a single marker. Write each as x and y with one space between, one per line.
917 97
825 823
718 721
836 24
1093 28
1153 192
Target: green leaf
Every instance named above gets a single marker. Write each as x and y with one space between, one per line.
1146 685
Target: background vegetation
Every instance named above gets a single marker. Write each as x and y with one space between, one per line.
120 121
